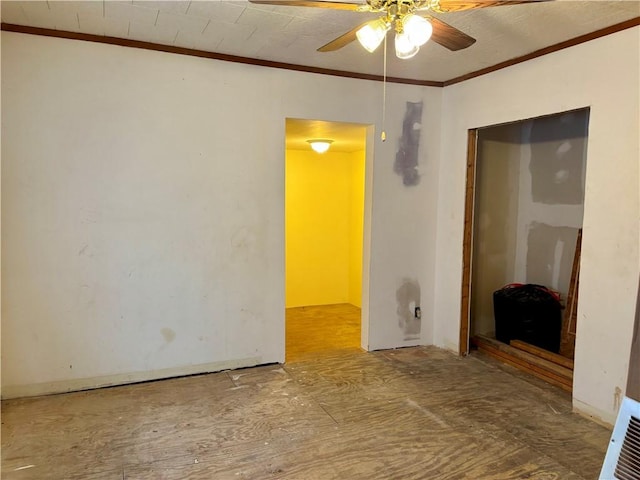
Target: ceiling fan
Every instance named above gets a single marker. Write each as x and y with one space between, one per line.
413 28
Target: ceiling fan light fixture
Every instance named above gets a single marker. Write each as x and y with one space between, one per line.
418 29
372 33
405 48
320 145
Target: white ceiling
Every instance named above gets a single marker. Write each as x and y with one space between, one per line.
292 34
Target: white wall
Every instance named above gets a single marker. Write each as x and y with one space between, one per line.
143 234
602 74
143 211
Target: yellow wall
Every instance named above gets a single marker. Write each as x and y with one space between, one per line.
356 224
324 214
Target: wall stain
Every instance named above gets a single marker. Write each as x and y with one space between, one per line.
617 399
244 244
406 164
407 298
168 334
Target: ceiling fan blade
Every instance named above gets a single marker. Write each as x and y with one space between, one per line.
342 40
448 36
445 6
316 4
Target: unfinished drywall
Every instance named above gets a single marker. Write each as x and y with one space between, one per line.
408 298
557 146
572 78
143 211
406 164
550 254
524 232
553 157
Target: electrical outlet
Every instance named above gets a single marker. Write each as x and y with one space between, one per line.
417 313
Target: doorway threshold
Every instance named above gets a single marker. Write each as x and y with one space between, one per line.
553 369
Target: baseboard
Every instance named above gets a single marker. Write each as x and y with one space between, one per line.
73 385
596 415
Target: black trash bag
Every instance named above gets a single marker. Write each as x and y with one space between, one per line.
531 313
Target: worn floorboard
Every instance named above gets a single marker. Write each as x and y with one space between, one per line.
321 328
414 413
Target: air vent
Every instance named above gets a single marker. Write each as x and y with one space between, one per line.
628 466
623 455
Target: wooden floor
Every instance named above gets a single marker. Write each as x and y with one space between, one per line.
413 413
322 328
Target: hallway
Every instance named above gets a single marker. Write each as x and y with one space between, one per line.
321 328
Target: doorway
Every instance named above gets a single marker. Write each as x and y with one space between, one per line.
522 237
326 255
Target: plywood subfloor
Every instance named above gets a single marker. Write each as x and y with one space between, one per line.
414 413
321 328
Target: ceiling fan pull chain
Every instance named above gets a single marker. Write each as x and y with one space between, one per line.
383 135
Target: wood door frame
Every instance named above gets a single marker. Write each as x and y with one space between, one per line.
469 211
467 242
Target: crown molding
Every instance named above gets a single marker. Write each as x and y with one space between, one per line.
123 42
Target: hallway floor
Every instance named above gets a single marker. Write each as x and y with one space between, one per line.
412 413
321 328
